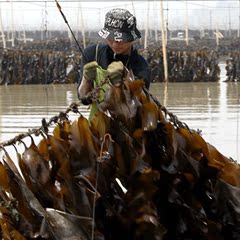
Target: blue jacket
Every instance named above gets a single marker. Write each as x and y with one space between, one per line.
105 56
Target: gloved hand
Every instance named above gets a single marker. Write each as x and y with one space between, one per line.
90 70
86 100
115 73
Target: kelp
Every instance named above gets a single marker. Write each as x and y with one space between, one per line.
134 171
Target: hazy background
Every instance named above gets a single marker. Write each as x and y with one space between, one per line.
44 15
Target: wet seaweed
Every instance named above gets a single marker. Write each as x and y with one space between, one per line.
141 174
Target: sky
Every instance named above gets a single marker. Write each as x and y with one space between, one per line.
89 15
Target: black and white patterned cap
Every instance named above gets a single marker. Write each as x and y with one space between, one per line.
120 25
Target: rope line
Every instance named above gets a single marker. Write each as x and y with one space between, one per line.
74 107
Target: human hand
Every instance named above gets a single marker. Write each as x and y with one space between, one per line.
90 70
87 100
115 73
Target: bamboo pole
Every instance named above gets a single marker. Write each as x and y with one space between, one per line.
46 21
1 29
156 34
23 31
146 28
217 36
155 11
165 64
167 25
77 28
82 26
12 25
44 30
133 8
70 36
164 45
186 24
42 25
238 18
203 21
24 35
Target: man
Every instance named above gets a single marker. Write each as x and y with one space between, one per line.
120 32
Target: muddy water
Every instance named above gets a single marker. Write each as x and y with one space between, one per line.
211 107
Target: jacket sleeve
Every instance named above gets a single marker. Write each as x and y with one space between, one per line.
88 56
141 70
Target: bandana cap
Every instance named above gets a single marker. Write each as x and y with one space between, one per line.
120 25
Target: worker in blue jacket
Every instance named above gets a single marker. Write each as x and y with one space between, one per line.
120 32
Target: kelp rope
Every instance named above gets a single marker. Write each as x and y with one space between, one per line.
103 155
238 100
74 108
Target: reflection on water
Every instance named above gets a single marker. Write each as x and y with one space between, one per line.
210 107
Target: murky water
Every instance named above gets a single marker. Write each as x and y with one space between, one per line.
210 107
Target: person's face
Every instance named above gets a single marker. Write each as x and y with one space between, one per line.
120 47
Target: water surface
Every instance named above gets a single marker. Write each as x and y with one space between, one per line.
211 107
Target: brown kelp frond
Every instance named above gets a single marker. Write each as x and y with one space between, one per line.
149 116
8 162
62 130
45 125
99 124
134 171
4 178
83 142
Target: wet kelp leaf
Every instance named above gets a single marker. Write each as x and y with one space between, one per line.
58 151
230 170
9 163
148 112
102 173
147 177
125 155
99 124
68 226
35 169
43 148
136 89
171 140
226 208
133 216
120 103
161 145
197 148
4 179
143 181
84 146
29 223
195 144
32 214
149 116
63 191
179 209
8 232
37 172
62 130
5 183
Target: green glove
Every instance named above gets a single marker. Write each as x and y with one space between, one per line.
115 72
90 70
